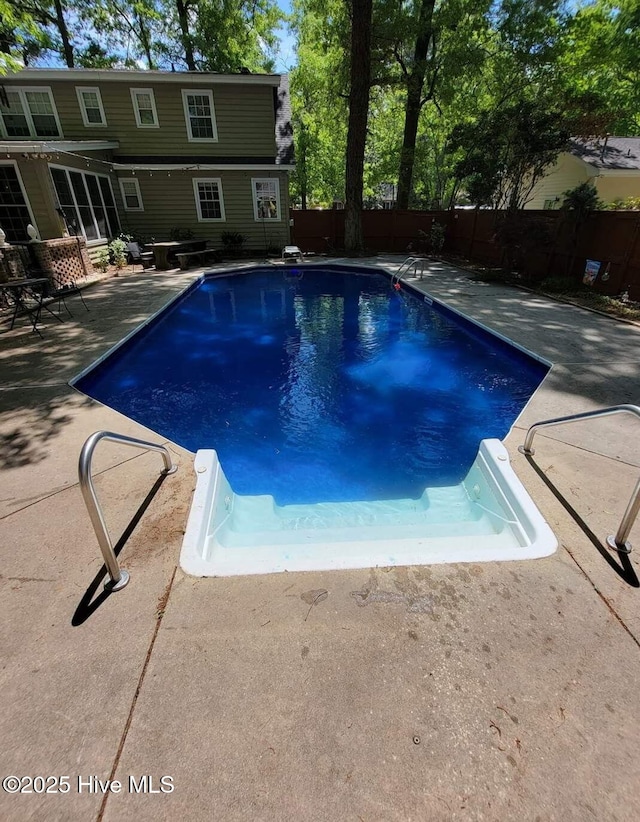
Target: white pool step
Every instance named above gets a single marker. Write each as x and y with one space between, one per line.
489 516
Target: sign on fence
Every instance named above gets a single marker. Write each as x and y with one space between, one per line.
591 271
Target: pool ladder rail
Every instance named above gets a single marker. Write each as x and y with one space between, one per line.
406 266
118 577
618 542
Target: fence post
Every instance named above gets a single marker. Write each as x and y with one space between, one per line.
473 233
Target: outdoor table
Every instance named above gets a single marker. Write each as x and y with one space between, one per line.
19 291
161 251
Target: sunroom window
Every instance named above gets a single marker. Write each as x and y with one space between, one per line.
86 202
14 210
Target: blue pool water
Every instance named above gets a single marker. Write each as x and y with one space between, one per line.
329 388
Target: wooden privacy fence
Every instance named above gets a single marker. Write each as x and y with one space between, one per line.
547 243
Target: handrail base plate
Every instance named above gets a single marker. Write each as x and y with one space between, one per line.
625 548
110 586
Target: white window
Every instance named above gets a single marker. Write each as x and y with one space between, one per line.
131 197
29 112
200 116
266 198
209 202
144 108
91 106
85 202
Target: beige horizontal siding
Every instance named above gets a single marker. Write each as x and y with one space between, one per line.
169 203
244 116
566 174
617 187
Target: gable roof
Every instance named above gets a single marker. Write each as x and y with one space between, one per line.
622 153
284 126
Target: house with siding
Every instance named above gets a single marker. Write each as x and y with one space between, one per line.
94 153
611 164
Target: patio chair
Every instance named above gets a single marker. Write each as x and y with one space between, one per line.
56 292
145 258
292 252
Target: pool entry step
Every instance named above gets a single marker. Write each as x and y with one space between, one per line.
489 516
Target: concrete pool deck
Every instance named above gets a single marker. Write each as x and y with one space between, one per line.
491 691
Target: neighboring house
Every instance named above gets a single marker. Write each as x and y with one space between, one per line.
612 164
97 152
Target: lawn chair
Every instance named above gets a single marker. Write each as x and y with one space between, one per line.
145 258
57 292
292 253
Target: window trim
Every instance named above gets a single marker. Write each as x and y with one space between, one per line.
83 109
22 189
25 109
136 110
136 183
187 119
99 240
254 199
201 219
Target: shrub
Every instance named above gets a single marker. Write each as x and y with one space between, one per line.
582 199
630 204
102 258
179 234
436 237
118 250
560 285
233 240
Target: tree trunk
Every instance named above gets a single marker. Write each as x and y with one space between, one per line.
413 106
187 43
301 162
358 111
64 34
145 41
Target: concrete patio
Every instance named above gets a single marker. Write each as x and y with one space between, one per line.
491 691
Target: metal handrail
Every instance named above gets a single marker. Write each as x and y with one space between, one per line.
619 541
409 263
118 577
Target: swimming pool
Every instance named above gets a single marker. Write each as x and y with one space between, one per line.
330 400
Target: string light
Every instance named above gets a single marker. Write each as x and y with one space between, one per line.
93 160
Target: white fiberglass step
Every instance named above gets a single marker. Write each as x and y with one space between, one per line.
489 516
436 505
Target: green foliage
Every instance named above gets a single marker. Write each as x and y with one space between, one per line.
561 285
179 234
102 258
628 204
232 240
207 35
507 150
23 37
118 252
436 237
582 199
